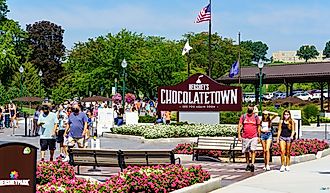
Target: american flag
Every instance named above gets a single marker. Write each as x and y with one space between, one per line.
204 14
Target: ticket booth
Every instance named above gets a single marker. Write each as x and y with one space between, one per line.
17 167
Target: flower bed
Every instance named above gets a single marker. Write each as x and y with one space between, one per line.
171 131
59 177
187 148
299 147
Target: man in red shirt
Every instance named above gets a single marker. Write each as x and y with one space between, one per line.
249 136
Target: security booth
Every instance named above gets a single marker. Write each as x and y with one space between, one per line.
18 162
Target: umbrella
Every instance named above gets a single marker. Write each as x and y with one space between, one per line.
28 99
95 99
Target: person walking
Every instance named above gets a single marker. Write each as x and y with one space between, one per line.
13 112
35 129
48 125
249 124
266 135
286 131
63 119
77 127
120 116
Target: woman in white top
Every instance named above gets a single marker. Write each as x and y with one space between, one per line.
266 135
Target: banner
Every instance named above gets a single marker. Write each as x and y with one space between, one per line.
199 93
105 120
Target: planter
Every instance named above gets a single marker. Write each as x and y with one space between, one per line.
295 159
184 157
161 140
323 153
208 186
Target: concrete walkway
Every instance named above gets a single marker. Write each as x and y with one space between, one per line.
308 177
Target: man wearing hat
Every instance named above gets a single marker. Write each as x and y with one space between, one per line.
48 125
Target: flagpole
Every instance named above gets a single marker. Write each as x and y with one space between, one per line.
210 54
188 60
239 57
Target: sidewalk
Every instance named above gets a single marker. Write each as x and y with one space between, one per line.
308 177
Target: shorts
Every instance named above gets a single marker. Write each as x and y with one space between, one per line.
47 144
59 136
286 139
72 141
249 145
266 136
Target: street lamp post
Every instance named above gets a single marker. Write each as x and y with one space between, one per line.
116 85
260 66
21 70
124 65
40 75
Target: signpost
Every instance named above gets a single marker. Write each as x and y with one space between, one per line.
200 93
199 99
18 163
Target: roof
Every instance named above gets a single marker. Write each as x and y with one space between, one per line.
284 73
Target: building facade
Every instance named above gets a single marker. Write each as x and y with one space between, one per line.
291 57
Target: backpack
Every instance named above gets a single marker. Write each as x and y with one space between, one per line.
255 117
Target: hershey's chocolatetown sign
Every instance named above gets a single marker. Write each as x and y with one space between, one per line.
199 93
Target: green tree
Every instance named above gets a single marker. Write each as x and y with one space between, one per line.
259 49
3 10
13 51
326 51
30 81
307 52
46 42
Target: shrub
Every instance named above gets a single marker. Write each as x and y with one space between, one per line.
310 111
147 119
299 147
187 148
170 131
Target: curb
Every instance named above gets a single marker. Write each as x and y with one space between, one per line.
295 159
160 140
323 153
208 186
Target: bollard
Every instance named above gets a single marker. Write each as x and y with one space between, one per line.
318 121
326 131
298 129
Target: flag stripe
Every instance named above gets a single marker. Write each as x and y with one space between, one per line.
204 14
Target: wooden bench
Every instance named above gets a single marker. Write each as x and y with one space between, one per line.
94 157
147 157
213 143
117 158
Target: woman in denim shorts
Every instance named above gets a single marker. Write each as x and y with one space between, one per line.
266 135
286 130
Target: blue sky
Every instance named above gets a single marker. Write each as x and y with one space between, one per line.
282 24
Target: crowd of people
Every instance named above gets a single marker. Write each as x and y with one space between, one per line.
252 130
8 116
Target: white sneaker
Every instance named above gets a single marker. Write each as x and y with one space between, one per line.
282 169
264 168
267 168
287 168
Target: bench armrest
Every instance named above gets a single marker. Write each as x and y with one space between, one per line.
177 159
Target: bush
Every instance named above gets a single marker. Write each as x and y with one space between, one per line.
159 178
229 117
147 119
187 148
310 111
170 131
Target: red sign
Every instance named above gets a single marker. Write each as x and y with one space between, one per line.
199 93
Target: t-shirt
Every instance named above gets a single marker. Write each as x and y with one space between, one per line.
47 129
250 126
36 115
63 118
77 123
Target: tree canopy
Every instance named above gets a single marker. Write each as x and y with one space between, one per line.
258 49
326 51
307 52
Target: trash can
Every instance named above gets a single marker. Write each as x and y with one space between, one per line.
18 162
